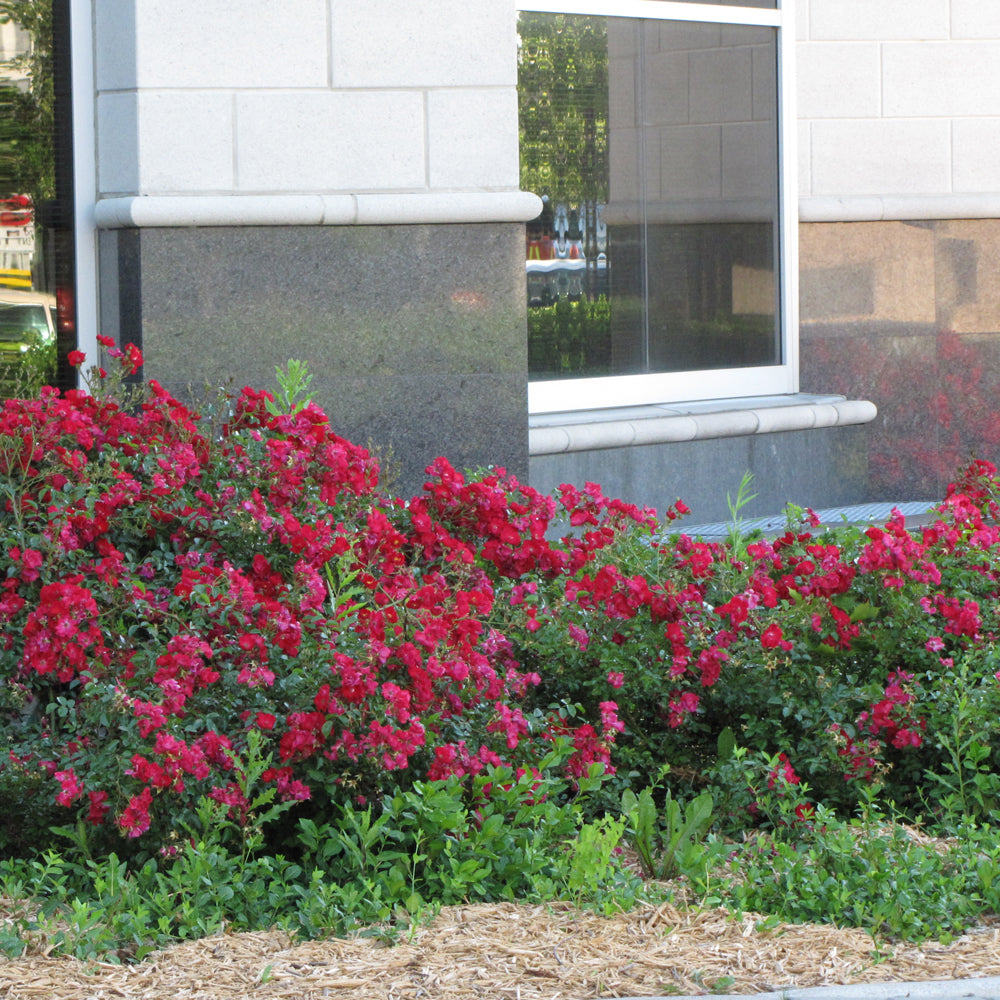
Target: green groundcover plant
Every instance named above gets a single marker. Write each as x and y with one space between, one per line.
229 659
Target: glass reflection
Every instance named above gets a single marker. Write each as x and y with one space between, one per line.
768 4
563 95
36 261
653 145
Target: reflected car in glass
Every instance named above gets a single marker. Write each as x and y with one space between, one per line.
27 339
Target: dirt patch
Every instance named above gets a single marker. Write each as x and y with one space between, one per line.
512 951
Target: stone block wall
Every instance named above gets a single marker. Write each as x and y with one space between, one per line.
338 180
245 96
898 98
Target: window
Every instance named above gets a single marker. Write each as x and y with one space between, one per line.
661 267
37 244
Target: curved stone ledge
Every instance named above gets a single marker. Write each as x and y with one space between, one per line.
899 208
415 208
560 433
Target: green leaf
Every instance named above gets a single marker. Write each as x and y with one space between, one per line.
864 612
726 744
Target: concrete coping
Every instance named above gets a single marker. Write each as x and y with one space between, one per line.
429 207
624 427
377 209
884 208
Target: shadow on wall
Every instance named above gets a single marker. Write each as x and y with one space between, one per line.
908 316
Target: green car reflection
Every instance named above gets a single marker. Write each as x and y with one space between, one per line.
27 340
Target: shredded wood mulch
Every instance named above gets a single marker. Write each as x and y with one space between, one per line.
512 951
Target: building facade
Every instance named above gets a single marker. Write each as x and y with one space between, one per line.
337 184
340 181
897 179
899 182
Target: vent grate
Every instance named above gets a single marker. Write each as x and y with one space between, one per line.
914 511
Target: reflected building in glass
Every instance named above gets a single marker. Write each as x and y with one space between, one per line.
654 146
36 232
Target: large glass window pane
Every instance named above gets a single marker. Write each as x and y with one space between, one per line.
37 322
769 4
653 145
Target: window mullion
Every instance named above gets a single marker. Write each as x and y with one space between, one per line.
641 181
662 10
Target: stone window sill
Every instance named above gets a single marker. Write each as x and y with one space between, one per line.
626 427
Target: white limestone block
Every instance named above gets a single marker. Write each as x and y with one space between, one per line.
804 151
229 43
423 43
838 79
845 20
881 156
976 166
472 138
185 141
333 141
959 79
118 143
975 19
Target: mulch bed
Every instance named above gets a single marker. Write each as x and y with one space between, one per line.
511 951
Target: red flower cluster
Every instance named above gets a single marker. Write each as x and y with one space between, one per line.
176 587
889 718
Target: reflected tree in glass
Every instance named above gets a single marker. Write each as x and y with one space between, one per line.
563 88
28 193
563 111
27 103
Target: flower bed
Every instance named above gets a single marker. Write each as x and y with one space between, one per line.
217 629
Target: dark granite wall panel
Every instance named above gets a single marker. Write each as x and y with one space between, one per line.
415 335
817 468
907 314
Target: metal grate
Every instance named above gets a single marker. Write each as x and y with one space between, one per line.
914 511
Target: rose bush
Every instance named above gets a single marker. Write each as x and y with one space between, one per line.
170 587
828 644
227 606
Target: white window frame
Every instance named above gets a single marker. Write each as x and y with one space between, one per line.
564 395
84 179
